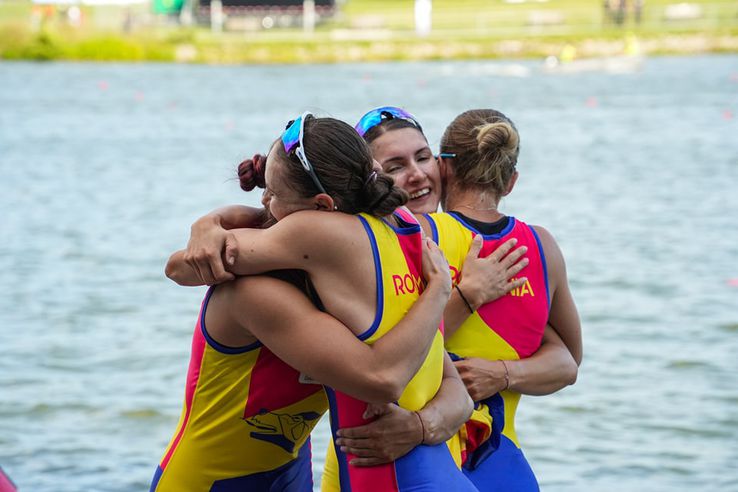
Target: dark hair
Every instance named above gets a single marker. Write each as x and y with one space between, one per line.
486 144
345 167
387 126
251 172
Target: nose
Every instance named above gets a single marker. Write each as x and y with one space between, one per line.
415 173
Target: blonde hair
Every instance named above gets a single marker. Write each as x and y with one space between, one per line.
486 144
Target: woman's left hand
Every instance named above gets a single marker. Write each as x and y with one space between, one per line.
482 378
395 433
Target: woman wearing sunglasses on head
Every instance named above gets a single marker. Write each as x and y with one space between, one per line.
399 145
365 261
498 345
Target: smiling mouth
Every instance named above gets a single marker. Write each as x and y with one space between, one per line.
420 193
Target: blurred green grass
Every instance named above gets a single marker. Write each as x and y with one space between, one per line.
368 30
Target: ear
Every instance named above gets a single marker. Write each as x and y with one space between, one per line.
511 184
324 201
444 168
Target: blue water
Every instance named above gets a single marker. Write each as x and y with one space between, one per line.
105 166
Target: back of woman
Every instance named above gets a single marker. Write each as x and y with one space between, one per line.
425 468
509 328
479 152
238 430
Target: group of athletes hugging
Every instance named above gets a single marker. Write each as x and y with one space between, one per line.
419 330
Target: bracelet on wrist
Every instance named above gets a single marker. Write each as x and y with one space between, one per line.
463 298
507 376
422 427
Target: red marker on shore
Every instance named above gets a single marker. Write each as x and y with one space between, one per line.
733 282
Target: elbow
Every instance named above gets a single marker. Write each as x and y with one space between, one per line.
468 407
173 271
571 373
387 389
170 270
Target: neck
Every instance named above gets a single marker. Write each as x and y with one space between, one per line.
475 203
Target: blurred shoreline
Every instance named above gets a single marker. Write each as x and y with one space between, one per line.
366 30
190 46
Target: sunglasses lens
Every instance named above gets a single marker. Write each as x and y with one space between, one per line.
291 135
377 116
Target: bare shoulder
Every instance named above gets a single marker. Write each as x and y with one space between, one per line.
258 292
320 224
326 234
550 247
554 257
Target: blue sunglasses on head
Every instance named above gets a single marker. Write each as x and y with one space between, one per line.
380 115
292 140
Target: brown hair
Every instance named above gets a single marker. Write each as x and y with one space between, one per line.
387 126
344 165
486 144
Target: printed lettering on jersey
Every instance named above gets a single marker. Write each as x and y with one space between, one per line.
524 290
455 275
406 284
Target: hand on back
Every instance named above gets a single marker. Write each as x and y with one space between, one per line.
485 279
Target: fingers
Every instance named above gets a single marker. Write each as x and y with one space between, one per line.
375 410
208 267
191 260
514 256
361 432
514 284
476 247
368 461
503 249
353 444
515 269
231 251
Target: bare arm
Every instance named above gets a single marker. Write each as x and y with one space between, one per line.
298 241
551 368
397 431
563 315
320 346
231 217
483 280
210 247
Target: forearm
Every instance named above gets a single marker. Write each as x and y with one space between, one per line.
446 412
180 271
456 313
400 353
551 368
234 217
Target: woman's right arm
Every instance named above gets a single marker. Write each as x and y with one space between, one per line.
302 240
563 314
315 343
548 370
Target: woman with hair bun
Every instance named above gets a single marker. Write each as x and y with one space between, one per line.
366 261
478 166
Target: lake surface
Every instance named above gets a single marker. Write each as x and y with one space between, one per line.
104 166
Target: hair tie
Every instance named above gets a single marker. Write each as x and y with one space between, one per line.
372 178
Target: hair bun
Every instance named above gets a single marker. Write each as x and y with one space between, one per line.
499 136
251 172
